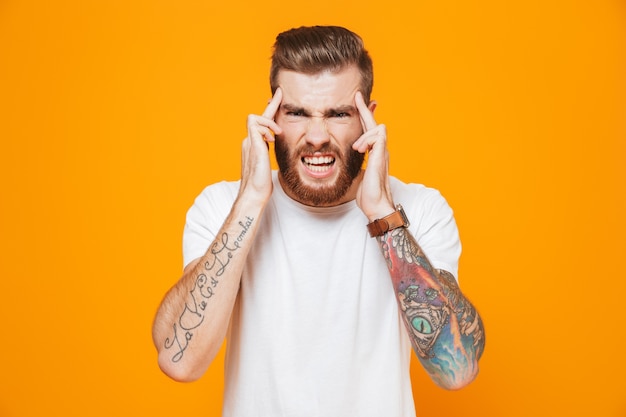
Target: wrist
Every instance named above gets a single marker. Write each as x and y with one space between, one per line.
253 199
380 212
396 219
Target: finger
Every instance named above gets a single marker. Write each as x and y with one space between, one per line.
262 133
259 126
274 104
367 117
266 133
371 139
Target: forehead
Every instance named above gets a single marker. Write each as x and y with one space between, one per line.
320 91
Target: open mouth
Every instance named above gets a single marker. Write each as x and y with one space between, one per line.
318 163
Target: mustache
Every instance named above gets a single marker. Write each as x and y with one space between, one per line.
326 148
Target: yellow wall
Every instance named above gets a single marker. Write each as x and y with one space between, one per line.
115 114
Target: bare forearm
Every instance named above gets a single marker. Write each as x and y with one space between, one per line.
193 318
446 331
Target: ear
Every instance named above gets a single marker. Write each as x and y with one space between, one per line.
372 106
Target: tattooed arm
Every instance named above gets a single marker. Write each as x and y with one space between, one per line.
446 331
193 317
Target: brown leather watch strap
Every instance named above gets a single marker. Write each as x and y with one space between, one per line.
381 226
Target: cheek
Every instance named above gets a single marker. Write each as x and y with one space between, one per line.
291 129
345 132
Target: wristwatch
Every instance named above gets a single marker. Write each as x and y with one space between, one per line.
381 226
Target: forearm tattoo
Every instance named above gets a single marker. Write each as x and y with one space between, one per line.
205 285
443 326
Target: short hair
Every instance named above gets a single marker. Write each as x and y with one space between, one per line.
315 49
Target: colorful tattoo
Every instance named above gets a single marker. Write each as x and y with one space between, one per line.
192 317
445 329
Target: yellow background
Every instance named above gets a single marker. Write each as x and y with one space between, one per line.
115 114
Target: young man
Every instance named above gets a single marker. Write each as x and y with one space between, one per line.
313 273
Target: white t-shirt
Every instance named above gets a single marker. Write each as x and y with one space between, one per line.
316 330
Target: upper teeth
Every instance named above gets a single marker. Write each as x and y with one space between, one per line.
317 160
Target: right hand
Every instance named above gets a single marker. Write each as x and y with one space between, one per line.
255 162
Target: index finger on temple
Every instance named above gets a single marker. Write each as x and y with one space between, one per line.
364 112
274 104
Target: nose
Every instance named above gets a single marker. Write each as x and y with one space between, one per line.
317 132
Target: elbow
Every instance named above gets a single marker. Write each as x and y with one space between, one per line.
186 365
455 382
179 372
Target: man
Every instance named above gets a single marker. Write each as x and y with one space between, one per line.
313 273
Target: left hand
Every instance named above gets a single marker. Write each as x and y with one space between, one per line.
374 193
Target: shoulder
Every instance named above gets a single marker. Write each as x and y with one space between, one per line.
214 200
205 217
417 197
223 188
432 223
219 192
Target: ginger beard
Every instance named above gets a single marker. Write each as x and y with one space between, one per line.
347 161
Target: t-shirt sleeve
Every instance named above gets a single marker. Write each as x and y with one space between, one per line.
434 227
206 217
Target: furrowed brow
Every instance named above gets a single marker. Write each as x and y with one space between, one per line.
294 109
341 109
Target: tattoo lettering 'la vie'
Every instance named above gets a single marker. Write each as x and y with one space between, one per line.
220 254
443 325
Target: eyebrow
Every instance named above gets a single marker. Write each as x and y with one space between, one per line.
347 108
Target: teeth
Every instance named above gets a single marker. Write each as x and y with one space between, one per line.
318 160
319 168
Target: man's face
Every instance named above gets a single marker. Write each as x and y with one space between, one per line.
320 122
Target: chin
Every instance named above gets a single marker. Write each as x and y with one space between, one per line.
311 192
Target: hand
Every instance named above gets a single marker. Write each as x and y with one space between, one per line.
374 193
255 162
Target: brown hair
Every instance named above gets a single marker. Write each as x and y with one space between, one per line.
315 49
